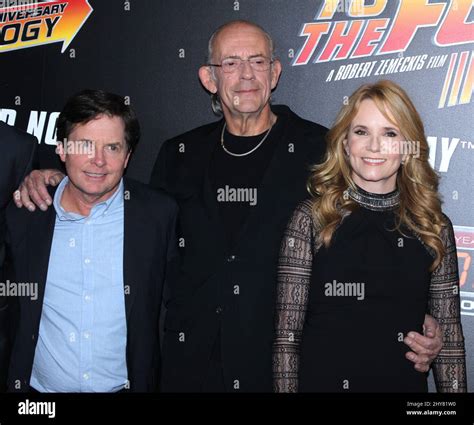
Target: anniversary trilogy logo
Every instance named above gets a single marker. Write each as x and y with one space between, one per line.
31 23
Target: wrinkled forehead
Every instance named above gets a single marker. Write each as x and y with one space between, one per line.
242 41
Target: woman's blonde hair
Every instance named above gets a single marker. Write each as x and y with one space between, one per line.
420 204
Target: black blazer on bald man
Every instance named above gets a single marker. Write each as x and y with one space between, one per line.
228 291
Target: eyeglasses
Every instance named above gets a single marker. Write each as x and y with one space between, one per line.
230 65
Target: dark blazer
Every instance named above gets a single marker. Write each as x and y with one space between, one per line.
149 254
222 290
17 150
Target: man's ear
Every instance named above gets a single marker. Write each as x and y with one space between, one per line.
125 165
276 72
207 80
61 151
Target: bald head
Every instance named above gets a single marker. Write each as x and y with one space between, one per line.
246 89
238 26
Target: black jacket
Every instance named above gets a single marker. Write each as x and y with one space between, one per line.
224 288
149 253
17 150
16 156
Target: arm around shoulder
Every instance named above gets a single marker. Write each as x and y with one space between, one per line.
444 305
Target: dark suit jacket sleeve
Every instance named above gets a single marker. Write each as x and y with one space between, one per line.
173 258
159 180
26 162
17 153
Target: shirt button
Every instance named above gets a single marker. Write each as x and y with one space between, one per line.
87 261
219 310
231 258
87 298
85 376
86 335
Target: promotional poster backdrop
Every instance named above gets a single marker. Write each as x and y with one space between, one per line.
150 51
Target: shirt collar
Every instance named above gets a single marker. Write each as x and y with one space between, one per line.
98 210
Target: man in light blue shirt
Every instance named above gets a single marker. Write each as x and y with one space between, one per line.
99 257
84 302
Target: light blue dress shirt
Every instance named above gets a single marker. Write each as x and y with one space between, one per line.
83 332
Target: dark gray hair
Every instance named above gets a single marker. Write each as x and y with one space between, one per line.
215 101
87 105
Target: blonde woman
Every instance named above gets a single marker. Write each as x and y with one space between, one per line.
365 257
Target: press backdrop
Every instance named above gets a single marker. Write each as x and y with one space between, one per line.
150 51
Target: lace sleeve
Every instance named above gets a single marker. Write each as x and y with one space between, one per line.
294 272
444 305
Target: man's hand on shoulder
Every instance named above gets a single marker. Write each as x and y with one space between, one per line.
33 190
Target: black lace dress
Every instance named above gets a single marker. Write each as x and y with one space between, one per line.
342 312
